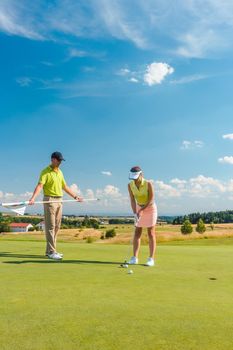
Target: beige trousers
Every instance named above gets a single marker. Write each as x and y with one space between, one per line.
53 216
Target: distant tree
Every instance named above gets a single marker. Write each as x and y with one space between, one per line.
200 226
4 227
186 228
219 217
212 226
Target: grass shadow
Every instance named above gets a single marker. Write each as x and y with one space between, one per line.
18 255
47 261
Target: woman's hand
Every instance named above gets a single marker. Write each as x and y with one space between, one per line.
139 212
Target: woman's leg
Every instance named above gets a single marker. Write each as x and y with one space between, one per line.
152 241
137 240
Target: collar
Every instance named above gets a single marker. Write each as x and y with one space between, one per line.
51 168
141 184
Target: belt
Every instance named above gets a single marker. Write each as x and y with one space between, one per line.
53 196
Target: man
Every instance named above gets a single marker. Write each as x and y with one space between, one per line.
53 183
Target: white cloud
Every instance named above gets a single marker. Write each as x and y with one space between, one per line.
123 72
26 194
47 63
165 190
177 196
199 187
202 186
196 44
193 28
156 73
115 19
107 173
226 160
13 21
153 74
190 145
134 80
179 183
75 189
77 53
24 81
189 79
39 82
112 191
228 136
89 194
9 195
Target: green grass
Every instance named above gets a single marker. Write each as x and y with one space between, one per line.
87 302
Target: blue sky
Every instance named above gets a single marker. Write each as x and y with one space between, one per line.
114 84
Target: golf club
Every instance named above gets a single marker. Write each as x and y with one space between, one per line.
125 264
20 207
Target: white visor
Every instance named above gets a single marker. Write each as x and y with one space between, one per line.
134 175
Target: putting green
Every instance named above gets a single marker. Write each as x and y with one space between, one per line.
87 302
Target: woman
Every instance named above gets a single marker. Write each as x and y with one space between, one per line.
141 194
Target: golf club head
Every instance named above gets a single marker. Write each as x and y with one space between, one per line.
124 265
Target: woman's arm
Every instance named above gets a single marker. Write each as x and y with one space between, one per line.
150 196
132 200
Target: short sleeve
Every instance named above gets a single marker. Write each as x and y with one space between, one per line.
42 178
63 181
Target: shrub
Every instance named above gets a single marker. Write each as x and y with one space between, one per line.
90 239
212 226
186 228
110 233
200 226
4 227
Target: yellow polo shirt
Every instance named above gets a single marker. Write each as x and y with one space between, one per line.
53 182
141 194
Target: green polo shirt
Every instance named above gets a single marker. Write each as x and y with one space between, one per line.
53 182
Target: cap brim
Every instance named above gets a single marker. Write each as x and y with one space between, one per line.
134 176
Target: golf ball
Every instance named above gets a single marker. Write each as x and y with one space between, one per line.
126 266
130 272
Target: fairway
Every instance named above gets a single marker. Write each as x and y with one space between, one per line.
87 302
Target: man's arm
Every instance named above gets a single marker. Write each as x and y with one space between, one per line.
35 193
71 193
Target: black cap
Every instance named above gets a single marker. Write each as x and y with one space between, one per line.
135 169
57 155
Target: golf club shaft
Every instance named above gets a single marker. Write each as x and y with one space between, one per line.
54 201
132 236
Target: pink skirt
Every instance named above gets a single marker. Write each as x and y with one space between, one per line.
148 216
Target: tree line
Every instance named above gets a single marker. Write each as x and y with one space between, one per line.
220 217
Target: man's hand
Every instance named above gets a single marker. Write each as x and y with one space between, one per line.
31 201
35 193
78 199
